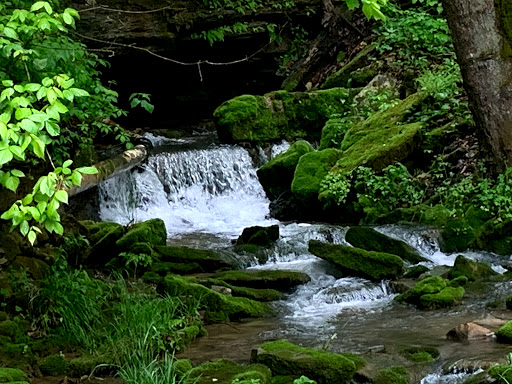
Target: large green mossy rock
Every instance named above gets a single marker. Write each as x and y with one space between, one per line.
276 176
473 270
358 262
333 132
226 372
433 293
393 375
260 236
355 73
220 308
504 334
188 260
285 358
371 240
278 115
152 232
309 173
379 141
283 281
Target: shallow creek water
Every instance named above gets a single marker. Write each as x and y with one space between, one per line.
207 194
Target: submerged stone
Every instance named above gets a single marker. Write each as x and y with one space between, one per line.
358 262
473 270
279 280
278 115
371 240
276 176
285 358
261 236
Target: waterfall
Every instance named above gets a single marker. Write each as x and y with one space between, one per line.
213 190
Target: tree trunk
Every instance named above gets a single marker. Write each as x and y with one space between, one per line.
482 33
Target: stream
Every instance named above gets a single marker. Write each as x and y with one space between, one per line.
208 193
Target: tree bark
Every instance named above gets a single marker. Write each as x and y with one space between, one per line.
482 32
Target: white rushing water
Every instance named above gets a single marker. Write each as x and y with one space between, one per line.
206 190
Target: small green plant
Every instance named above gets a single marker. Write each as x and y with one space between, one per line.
143 100
134 260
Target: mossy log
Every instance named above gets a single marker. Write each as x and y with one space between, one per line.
111 167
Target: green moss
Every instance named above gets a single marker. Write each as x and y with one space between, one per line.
393 375
206 260
447 297
225 371
371 240
54 365
152 277
309 173
186 335
13 330
358 262
263 294
220 306
103 237
415 272
152 232
278 115
332 132
420 354
460 281
279 280
182 366
84 365
344 76
9 375
261 236
282 379
501 372
285 358
378 141
508 302
430 285
163 268
504 334
276 176
473 270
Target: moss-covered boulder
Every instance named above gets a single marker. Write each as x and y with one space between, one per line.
219 307
226 372
504 334
358 262
276 176
152 232
371 240
355 73
54 365
283 281
102 238
377 142
433 293
12 375
278 115
309 173
261 236
189 260
464 232
473 270
285 358
496 237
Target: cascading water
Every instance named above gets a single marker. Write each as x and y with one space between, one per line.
207 195
204 190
